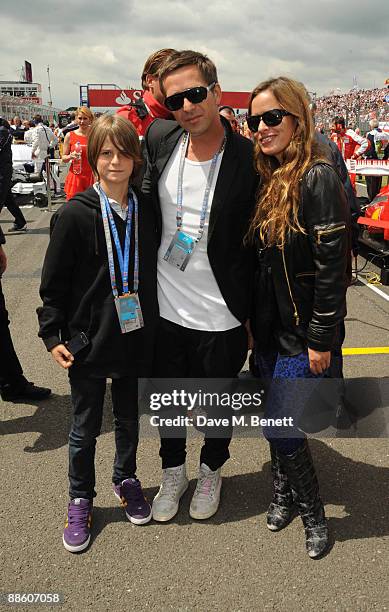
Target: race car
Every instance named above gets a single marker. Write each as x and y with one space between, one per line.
378 210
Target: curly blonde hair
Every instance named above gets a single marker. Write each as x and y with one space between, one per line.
278 204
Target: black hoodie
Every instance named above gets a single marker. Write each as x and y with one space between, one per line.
77 294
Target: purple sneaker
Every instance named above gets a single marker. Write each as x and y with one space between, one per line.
137 508
76 535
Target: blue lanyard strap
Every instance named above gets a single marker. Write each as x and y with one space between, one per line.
123 256
211 174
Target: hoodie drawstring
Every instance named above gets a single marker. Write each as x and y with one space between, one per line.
95 233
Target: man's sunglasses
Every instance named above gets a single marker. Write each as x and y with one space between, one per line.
271 118
195 95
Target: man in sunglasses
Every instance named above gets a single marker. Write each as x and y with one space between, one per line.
200 175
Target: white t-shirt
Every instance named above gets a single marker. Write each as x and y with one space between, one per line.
190 298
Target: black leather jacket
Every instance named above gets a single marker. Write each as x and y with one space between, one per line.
301 289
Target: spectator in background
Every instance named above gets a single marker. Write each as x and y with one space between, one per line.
17 129
80 175
52 148
350 144
143 111
377 139
386 152
246 131
29 132
42 139
229 113
6 196
14 386
70 127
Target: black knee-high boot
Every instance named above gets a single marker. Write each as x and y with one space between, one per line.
302 478
281 508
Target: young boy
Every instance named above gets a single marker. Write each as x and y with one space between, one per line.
98 316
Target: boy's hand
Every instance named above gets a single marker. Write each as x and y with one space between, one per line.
62 356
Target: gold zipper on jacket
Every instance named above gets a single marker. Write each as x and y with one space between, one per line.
329 231
295 313
300 274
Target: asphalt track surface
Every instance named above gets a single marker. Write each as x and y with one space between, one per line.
229 562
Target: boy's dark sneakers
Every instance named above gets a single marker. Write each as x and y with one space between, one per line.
136 506
76 535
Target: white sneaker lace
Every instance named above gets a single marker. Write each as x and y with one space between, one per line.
169 485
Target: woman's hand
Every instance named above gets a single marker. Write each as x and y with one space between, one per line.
319 361
68 158
250 339
62 356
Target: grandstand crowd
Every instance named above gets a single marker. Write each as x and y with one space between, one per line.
357 106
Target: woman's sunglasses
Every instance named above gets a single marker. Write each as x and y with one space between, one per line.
271 118
195 95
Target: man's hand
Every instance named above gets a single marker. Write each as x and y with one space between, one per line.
62 356
33 155
3 261
319 361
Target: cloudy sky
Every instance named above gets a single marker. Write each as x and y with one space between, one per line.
323 43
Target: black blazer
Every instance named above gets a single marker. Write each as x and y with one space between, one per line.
231 208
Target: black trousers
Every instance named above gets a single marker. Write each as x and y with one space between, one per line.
189 353
373 186
88 401
11 372
13 207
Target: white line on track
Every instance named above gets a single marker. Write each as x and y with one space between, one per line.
373 288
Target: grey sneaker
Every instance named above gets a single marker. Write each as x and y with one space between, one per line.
174 484
206 498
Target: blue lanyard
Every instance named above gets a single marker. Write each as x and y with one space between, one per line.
123 256
211 174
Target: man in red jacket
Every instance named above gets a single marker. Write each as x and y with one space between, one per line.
350 144
143 112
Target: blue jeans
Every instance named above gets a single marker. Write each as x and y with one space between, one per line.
88 401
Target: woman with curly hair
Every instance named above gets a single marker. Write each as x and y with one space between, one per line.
300 229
